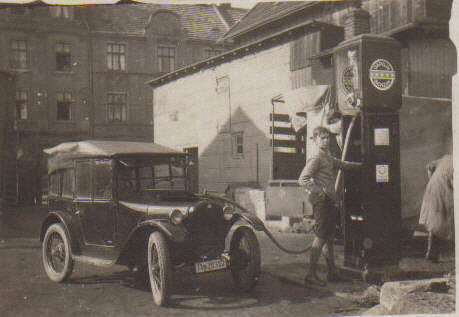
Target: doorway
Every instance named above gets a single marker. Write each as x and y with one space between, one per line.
193 168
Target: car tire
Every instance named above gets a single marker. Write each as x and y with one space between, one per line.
57 260
245 259
159 268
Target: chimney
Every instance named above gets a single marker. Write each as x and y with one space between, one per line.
225 5
357 21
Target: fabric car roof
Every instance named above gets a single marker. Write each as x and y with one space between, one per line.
62 155
96 148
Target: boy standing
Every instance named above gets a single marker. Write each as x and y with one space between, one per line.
318 176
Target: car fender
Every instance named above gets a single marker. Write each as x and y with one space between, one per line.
175 233
238 224
138 238
253 220
64 219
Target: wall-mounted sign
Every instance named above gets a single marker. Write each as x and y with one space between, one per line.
382 74
382 173
381 136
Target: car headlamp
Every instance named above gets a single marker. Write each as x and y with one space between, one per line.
228 212
191 210
176 217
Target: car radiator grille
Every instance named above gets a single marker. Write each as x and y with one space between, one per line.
207 230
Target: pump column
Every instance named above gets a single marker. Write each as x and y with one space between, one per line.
367 78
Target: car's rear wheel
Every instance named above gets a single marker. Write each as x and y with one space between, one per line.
159 268
245 259
57 259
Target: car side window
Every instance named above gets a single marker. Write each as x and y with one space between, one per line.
54 184
68 183
83 179
103 179
126 182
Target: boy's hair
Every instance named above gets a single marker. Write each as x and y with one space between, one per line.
320 130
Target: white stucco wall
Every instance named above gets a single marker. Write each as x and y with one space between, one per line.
191 112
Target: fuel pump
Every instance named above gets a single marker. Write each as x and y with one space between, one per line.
368 89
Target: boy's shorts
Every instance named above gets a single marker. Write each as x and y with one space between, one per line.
325 216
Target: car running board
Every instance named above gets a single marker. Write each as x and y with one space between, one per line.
93 261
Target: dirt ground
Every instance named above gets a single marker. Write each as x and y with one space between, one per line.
95 291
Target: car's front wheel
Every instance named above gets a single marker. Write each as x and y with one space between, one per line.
57 259
159 268
245 259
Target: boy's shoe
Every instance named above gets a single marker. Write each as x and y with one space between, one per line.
314 280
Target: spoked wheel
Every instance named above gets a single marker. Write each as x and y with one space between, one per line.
56 253
245 259
159 268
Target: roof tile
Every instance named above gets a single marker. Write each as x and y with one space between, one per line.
201 22
262 12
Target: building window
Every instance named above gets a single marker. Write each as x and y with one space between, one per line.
166 59
64 102
212 52
116 57
18 54
61 12
63 61
117 108
237 146
21 104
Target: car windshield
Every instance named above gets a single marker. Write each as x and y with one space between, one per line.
139 176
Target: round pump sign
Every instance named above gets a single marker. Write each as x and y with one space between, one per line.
382 74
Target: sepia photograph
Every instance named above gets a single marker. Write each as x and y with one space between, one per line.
227 157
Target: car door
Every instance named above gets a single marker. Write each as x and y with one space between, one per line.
94 201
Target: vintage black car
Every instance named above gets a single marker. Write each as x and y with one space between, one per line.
129 203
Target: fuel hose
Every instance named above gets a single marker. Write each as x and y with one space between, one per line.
264 229
345 148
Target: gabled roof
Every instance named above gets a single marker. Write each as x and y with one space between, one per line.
200 22
265 12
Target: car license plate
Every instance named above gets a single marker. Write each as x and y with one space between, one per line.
212 265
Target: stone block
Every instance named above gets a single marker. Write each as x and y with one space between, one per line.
424 303
376 311
393 293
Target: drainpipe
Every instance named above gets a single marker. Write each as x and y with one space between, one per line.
272 139
258 167
153 114
91 83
